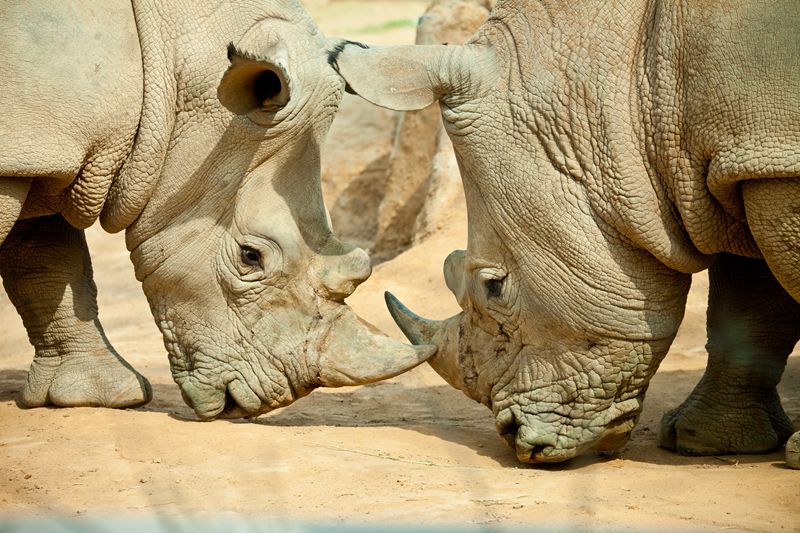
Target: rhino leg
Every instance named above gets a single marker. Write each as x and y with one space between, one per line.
753 325
47 274
793 451
13 192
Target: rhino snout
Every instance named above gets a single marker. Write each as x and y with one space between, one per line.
535 441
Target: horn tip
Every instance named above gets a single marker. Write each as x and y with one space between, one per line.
390 299
405 319
394 304
426 351
397 311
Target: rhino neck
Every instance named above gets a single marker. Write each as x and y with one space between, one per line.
578 70
89 106
132 187
685 79
183 44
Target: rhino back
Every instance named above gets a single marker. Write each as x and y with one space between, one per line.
71 100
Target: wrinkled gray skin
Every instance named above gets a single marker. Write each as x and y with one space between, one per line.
112 111
608 151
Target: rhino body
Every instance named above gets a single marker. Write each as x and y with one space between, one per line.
114 110
609 150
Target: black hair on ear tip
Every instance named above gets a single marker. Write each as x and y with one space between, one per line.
333 55
234 52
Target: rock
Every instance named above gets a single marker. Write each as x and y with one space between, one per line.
355 163
451 21
313 4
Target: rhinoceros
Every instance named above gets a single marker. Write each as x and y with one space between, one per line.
115 110
608 151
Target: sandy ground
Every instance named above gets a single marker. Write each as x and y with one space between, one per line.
407 451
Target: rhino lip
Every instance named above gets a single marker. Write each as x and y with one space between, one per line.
231 408
623 419
205 416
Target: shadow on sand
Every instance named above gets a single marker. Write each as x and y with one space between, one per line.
445 413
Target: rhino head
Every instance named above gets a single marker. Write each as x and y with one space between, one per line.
567 307
234 248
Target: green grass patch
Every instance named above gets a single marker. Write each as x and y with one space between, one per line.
388 25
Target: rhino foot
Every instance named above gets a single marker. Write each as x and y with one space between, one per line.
793 451
99 379
713 422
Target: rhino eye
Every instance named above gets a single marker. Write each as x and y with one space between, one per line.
251 256
494 287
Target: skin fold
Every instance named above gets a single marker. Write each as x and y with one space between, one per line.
196 128
608 151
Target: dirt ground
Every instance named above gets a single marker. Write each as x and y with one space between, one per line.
407 451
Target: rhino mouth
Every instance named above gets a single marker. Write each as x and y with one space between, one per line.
232 409
234 400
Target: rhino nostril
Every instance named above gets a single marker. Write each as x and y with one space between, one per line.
230 401
508 431
537 450
232 408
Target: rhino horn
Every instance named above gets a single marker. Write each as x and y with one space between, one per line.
354 353
441 333
416 329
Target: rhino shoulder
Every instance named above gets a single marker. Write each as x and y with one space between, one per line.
72 97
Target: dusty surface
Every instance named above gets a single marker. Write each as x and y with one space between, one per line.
407 451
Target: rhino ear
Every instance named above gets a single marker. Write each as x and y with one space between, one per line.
255 84
405 78
395 77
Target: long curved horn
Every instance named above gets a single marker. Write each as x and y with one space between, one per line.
416 329
444 334
352 352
